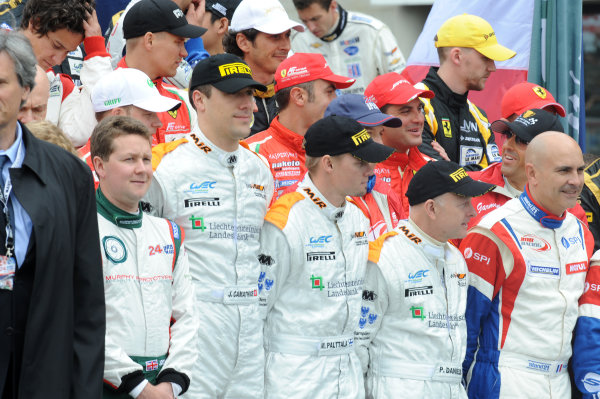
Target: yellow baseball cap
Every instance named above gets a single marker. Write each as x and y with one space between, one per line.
474 32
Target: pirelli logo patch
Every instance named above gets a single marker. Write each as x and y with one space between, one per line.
361 137
235 67
458 175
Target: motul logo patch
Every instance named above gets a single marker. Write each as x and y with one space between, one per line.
578 267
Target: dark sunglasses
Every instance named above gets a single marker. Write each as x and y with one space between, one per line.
510 134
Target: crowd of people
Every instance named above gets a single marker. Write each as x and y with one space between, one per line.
246 206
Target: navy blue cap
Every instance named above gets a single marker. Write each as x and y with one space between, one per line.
359 108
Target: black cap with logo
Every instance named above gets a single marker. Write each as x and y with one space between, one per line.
440 177
336 135
227 72
222 8
158 16
529 124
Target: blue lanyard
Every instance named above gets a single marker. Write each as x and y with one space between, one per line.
4 198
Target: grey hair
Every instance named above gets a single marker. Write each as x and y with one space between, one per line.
18 48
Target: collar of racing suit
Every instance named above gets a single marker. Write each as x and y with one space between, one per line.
266 94
227 159
432 248
287 137
544 217
342 21
116 215
413 158
442 92
311 192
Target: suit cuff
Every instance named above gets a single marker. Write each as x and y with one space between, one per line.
170 375
135 392
131 381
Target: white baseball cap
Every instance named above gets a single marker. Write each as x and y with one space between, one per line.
267 16
130 86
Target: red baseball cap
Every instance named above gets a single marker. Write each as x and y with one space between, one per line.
525 96
393 88
306 67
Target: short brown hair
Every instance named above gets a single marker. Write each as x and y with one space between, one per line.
52 15
303 4
230 42
105 132
283 96
49 132
443 53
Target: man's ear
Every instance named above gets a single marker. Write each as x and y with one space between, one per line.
531 174
99 167
430 208
222 26
243 42
149 39
455 55
298 96
199 100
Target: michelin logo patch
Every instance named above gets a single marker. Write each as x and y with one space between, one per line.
541 270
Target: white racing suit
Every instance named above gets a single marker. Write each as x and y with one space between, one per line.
149 298
220 199
115 45
412 333
527 272
364 49
70 107
315 257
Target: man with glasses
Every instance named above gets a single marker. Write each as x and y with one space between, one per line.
509 175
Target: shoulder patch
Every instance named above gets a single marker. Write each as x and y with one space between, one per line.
376 246
160 150
365 19
279 212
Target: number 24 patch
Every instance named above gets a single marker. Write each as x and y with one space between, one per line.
159 249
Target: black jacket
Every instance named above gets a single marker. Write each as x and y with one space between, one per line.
54 319
457 125
267 110
590 200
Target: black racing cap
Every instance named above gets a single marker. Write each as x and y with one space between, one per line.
158 16
222 8
336 135
441 177
227 72
529 124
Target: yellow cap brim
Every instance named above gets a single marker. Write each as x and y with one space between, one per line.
496 52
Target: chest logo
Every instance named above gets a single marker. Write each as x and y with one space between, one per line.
114 249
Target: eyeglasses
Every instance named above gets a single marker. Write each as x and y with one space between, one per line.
518 140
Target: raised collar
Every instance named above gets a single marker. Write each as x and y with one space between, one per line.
116 215
432 247
287 137
341 25
414 159
544 217
203 144
308 189
442 92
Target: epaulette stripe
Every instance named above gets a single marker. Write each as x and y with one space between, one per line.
376 246
279 212
160 150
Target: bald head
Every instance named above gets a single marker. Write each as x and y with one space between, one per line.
34 109
554 167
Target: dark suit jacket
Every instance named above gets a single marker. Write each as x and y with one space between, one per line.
57 306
